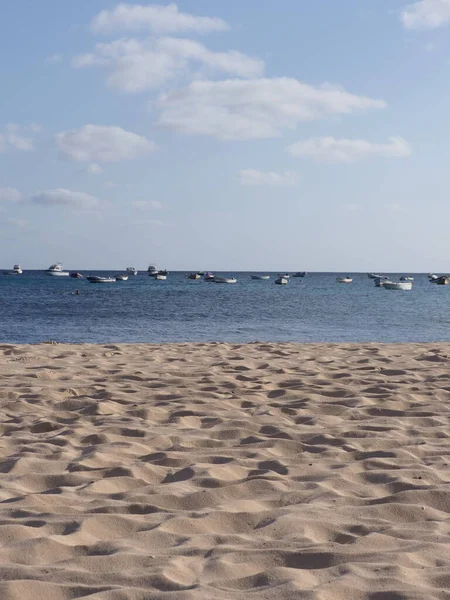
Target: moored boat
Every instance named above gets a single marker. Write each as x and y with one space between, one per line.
17 270
76 276
99 279
160 276
194 276
346 279
260 277
132 271
406 278
209 276
56 270
442 280
225 279
300 274
121 277
397 285
282 280
152 270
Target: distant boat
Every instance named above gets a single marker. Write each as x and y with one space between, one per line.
300 274
397 285
15 271
152 270
260 277
132 271
282 280
380 281
76 275
285 275
442 280
194 276
98 279
56 270
209 276
121 277
161 276
406 278
373 276
346 279
225 279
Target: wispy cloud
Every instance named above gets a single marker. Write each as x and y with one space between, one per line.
147 204
100 143
329 149
255 108
15 137
9 194
426 14
154 18
252 177
63 197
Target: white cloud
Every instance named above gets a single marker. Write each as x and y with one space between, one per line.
257 108
94 169
268 178
136 66
155 18
329 149
15 137
63 197
102 143
9 194
426 14
147 204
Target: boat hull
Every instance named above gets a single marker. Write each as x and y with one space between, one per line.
260 277
282 281
57 273
398 285
225 280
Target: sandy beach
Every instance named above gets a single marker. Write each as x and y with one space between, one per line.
225 471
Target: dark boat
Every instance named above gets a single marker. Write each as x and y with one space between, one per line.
76 276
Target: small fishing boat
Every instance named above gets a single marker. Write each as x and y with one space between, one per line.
152 270
98 279
442 280
132 271
260 277
373 276
346 279
15 271
76 276
299 274
209 276
56 270
225 279
160 277
121 277
194 276
285 275
380 281
397 285
282 280
432 278
406 278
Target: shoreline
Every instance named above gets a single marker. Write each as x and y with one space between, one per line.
218 470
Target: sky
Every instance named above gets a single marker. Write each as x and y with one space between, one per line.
267 135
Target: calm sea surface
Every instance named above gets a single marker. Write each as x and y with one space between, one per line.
35 308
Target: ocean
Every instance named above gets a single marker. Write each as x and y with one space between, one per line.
35 307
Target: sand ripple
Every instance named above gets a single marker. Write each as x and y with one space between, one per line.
215 471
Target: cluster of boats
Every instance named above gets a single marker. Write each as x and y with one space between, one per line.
208 276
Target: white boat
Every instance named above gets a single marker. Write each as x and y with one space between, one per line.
282 280
152 270
344 279
225 279
406 278
132 271
285 275
397 285
16 271
160 277
209 276
380 281
121 278
56 270
98 279
260 277
373 276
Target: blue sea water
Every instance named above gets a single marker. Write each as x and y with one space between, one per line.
36 308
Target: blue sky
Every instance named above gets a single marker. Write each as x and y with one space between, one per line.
230 135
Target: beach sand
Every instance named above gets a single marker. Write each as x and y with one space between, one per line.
225 471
